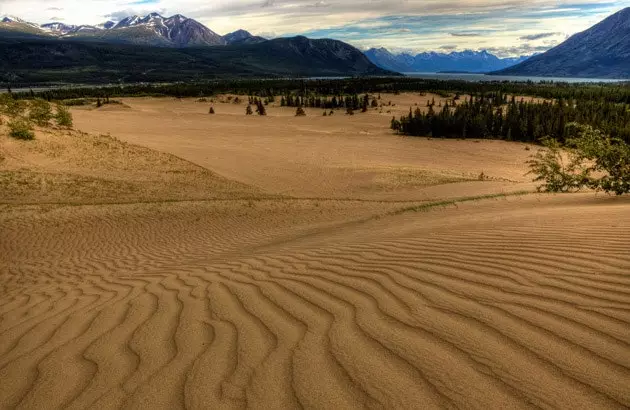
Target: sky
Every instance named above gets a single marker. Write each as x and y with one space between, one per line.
504 27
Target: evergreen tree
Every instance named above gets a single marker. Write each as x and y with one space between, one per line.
248 110
300 112
211 111
261 110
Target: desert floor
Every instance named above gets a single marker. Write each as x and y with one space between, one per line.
165 258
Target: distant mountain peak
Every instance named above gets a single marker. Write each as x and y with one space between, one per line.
432 61
11 19
242 37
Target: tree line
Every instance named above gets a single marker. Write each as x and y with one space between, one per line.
608 92
492 116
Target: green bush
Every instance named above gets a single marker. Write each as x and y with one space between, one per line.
11 106
21 129
63 117
589 159
40 112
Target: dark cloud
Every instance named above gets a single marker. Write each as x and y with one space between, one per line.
538 36
449 47
465 34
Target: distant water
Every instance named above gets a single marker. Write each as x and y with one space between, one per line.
512 78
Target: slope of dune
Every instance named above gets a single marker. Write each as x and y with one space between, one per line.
497 304
74 167
336 156
225 262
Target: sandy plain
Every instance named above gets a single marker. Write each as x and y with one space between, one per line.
163 257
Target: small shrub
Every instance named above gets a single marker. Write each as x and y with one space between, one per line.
76 102
300 112
21 129
63 117
40 112
211 111
10 106
248 110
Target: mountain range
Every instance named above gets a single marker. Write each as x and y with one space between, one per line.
158 48
603 51
153 29
432 62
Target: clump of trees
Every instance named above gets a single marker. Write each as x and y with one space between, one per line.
588 159
350 101
492 116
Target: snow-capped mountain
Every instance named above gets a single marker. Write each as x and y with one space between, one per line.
152 29
431 62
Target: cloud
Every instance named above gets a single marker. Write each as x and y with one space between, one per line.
418 25
538 36
465 34
448 47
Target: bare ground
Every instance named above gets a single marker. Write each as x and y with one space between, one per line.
229 262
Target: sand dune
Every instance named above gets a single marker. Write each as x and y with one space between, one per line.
215 306
391 298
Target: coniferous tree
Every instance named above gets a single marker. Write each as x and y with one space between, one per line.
261 110
248 110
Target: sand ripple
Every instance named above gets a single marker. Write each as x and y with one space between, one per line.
497 304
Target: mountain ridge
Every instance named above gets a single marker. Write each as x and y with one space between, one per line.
602 51
463 61
153 29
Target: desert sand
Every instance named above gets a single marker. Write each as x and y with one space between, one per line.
166 258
